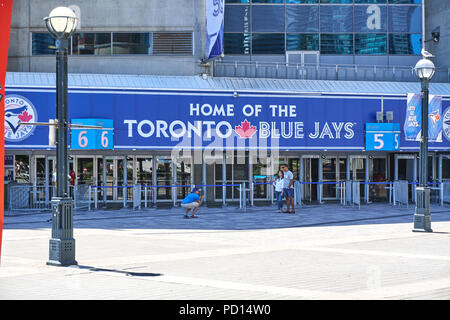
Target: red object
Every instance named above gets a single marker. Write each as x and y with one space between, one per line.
5 24
245 130
25 117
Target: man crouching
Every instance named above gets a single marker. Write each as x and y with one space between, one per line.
192 201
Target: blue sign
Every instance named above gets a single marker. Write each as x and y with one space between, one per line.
85 139
383 136
162 120
413 119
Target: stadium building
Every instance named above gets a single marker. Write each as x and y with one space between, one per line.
327 87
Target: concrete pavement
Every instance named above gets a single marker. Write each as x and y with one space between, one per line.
322 252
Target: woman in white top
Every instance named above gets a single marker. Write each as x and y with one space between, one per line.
278 184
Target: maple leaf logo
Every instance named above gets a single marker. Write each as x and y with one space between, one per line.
25 117
245 130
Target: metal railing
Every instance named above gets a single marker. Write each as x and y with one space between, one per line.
28 197
343 72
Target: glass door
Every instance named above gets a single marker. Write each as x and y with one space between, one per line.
120 176
310 175
144 171
85 170
330 173
378 174
261 176
164 178
358 172
184 177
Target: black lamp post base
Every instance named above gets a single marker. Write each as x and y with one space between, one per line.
62 243
422 215
62 252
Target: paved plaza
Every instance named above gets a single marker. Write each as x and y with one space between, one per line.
321 252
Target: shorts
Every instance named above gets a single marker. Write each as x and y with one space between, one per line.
190 205
288 192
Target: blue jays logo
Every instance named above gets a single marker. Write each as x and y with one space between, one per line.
18 111
435 117
446 124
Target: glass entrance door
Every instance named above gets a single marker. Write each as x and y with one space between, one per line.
310 175
261 176
330 173
144 171
184 177
164 178
85 170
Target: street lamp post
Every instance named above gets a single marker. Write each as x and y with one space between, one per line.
425 71
61 23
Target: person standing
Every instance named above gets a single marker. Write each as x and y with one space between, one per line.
288 188
278 183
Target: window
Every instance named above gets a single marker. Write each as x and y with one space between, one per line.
268 43
336 44
371 44
336 19
131 43
237 43
302 18
405 19
42 43
329 26
260 21
405 44
118 43
302 42
91 44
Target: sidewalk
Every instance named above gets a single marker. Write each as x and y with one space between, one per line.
321 252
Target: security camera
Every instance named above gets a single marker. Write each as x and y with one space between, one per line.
436 34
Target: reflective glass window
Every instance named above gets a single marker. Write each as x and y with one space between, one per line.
302 1
267 18
370 43
237 1
237 43
302 18
237 19
407 19
371 18
336 18
336 43
405 44
268 1
336 1
370 1
405 1
268 43
302 42
92 43
42 43
131 43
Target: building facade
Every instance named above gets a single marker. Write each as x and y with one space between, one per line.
136 68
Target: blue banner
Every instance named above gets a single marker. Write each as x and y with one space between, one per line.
214 28
413 119
165 120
